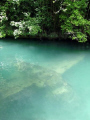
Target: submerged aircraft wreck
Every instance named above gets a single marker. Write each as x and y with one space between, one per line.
25 77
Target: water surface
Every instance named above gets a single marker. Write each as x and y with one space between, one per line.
44 80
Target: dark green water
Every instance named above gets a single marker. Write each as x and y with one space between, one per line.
44 81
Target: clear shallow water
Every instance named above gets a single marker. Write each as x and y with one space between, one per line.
44 81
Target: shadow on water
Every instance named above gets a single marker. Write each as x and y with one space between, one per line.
51 43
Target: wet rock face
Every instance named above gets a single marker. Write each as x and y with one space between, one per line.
29 77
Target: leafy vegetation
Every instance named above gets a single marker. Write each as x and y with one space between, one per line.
26 18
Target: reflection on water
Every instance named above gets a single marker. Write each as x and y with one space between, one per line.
43 81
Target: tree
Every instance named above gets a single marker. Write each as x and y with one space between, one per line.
73 21
29 18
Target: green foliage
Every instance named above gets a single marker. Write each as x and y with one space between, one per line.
29 26
20 19
3 21
29 18
73 20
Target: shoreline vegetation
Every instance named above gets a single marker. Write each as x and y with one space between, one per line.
44 19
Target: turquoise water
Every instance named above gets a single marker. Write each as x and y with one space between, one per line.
44 81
